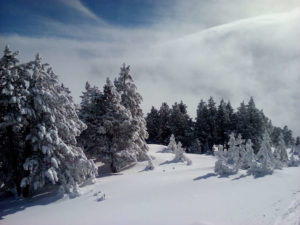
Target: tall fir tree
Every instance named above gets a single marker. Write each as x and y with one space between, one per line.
117 131
13 120
201 126
152 121
54 157
132 100
223 123
181 124
164 131
212 123
91 113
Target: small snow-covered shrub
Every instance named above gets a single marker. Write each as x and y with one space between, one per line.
172 144
180 155
265 161
295 158
228 163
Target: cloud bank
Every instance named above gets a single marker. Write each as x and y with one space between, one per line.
232 57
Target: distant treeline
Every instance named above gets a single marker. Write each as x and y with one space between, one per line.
212 125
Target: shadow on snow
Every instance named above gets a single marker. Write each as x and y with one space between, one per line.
11 205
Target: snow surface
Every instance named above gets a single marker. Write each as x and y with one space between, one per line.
172 193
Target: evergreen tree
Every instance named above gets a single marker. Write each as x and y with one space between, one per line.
132 100
13 120
54 156
249 156
229 162
232 119
172 144
288 136
280 152
91 112
201 126
116 131
180 156
180 124
223 123
164 131
212 123
266 162
152 121
275 134
195 147
250 123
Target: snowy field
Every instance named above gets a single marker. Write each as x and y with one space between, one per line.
172 194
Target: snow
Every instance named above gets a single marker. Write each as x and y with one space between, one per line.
172 193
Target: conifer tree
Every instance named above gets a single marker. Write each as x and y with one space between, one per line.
229 162
266 162
152 121
212 123
13 120
180 124
195 147
180 156
172 144
91 112
116 131
249 156
132 100
54 157
280 152
164 131
201 126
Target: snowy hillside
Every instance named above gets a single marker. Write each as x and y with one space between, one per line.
173 193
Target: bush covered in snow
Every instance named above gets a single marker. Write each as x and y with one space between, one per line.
241 155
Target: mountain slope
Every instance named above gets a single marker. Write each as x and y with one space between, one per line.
173 193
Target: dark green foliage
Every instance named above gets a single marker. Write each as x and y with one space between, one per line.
152 121
212 125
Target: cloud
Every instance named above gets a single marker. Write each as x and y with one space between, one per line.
77 5
256 56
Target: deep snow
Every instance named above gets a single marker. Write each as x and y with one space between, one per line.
173 193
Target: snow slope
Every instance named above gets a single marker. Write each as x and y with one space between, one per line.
173 193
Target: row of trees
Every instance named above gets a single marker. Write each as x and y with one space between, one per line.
212 126
240 155
43 139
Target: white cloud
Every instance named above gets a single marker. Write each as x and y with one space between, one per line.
77 5
250 57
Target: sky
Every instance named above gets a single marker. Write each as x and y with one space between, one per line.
178 50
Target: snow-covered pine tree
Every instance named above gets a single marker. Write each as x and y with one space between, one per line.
249 157
118 131
266 162
132 100
13 120
228 163
280 152
172 144
54 157
180 156
295 157
91 112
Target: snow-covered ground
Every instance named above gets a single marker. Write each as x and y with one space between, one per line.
173 194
